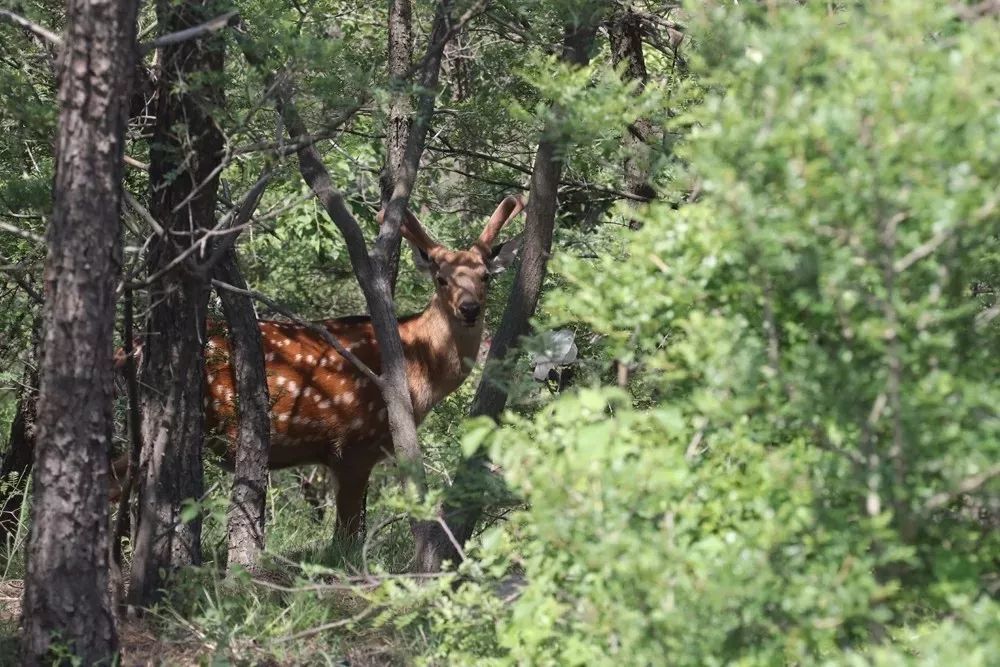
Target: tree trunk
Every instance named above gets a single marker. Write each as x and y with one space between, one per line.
253 442
398 122
374 271
67 601
406 136
625 36
184 160
465 500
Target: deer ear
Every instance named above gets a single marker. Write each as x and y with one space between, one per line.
504 255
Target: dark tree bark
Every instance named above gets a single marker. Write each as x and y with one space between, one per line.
184 166
625 37
67 598
253 442
20 453
465 499
407 136
398 122
123 519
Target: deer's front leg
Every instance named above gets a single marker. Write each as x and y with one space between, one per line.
352 491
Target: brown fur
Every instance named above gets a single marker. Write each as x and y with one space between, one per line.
323 409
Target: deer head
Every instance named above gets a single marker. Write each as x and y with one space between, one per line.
461 276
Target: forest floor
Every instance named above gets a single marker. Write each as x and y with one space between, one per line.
139 642
144 642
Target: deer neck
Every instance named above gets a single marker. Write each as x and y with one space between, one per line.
439 353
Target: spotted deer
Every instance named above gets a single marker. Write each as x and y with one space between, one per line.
323 409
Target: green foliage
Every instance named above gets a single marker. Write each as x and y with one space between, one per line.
801 466
815 379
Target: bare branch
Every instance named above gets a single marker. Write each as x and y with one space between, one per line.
968 485
921 251
236 218
32 27
367 611
16 272
194 32
132 162
321 331
143 213
23 233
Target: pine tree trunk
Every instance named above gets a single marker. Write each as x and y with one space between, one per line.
67 601
247 503
400 109
186 152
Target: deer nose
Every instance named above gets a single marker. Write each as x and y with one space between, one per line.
469 309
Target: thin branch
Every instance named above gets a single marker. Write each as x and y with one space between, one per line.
284 148
322 332
143 213
351 583
23 233
524 169
921 251
451 538
16 272
132 162
236 219
32 27
194 32
367 611
968 485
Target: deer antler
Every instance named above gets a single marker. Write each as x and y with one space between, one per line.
508 208
413 231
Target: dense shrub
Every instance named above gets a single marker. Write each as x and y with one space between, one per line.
815 341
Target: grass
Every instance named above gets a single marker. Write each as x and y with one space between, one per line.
306 581
270 618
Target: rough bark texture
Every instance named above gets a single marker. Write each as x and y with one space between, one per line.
407 136
464 502
398 123
67 601
253 442
183 174
625 36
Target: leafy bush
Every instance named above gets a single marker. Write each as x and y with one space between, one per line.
802 470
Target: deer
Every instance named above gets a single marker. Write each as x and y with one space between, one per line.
324 410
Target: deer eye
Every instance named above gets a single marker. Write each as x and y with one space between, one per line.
443 282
